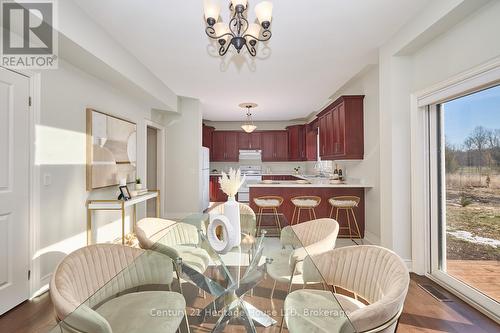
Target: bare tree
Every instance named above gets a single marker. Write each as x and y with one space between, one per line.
479 141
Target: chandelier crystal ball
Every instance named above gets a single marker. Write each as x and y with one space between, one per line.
239 32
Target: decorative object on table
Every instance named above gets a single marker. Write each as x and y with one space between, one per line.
221 235
230 184
248 126
239 32
296 170
136 193
124 193
138 184
111 150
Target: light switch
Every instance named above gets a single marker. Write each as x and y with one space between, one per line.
47 179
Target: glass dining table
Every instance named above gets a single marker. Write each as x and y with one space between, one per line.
226 292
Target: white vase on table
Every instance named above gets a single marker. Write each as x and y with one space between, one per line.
232 212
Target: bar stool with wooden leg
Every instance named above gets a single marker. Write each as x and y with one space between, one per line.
272 203
347 204
307 203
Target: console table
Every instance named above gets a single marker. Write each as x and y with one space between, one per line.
119 205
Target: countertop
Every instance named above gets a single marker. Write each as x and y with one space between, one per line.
313 182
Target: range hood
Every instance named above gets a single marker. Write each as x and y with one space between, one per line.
250 154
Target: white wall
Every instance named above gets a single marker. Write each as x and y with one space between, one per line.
458 44
184 135
60 155
367 83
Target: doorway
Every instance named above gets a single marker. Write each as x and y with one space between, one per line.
152 166
14 188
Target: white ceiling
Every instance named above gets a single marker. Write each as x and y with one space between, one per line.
317 45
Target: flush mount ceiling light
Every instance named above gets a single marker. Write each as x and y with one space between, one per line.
248 126
239 33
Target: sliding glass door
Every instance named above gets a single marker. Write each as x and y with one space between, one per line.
465 232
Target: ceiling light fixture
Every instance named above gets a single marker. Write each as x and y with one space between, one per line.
248 126
239 32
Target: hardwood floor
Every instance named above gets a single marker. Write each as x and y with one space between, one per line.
422 313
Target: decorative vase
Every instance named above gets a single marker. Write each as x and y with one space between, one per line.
220 234
232 212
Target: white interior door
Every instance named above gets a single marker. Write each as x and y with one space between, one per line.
14 189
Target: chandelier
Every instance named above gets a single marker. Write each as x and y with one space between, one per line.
239 32
248 126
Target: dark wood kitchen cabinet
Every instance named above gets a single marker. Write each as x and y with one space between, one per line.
274 145
341 132
311 143
225 146
249 140
207 136
296 142
216 194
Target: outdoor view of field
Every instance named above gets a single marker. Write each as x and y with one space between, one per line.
472 165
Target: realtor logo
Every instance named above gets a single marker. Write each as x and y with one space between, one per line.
29 38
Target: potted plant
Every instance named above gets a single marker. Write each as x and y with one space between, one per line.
138 184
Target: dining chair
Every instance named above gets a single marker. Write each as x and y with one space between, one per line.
95 289
373 273
299 241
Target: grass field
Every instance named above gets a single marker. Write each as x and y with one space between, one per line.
474 210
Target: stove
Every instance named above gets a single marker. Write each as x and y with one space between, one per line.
253 174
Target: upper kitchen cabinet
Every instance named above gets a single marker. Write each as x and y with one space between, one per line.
225 146
341 129
311 142
274 145
207 136
296 142
249 140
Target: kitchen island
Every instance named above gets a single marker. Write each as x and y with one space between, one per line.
306 186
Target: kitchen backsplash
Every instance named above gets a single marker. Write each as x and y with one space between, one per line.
275 167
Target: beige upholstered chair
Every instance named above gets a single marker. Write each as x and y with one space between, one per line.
373 273
308 238
95 290
181 239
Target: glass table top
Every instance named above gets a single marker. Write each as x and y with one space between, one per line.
248 289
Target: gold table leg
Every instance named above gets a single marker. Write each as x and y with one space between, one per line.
89 226
123 223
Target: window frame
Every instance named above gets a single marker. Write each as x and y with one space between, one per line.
428 214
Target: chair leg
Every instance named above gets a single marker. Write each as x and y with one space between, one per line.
272 291
293 215
348 223
298 215
277 218
337 215
314 214
310 214
331 213
187 322
357 226
260 220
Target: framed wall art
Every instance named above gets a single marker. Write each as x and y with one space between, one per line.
111 150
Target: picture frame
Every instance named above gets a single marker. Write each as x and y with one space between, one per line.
124 193
111 150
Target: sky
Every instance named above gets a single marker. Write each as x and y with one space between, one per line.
463 114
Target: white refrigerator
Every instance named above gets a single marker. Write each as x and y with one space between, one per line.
205 177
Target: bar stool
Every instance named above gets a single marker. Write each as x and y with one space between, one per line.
305 202
269 202
346 203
